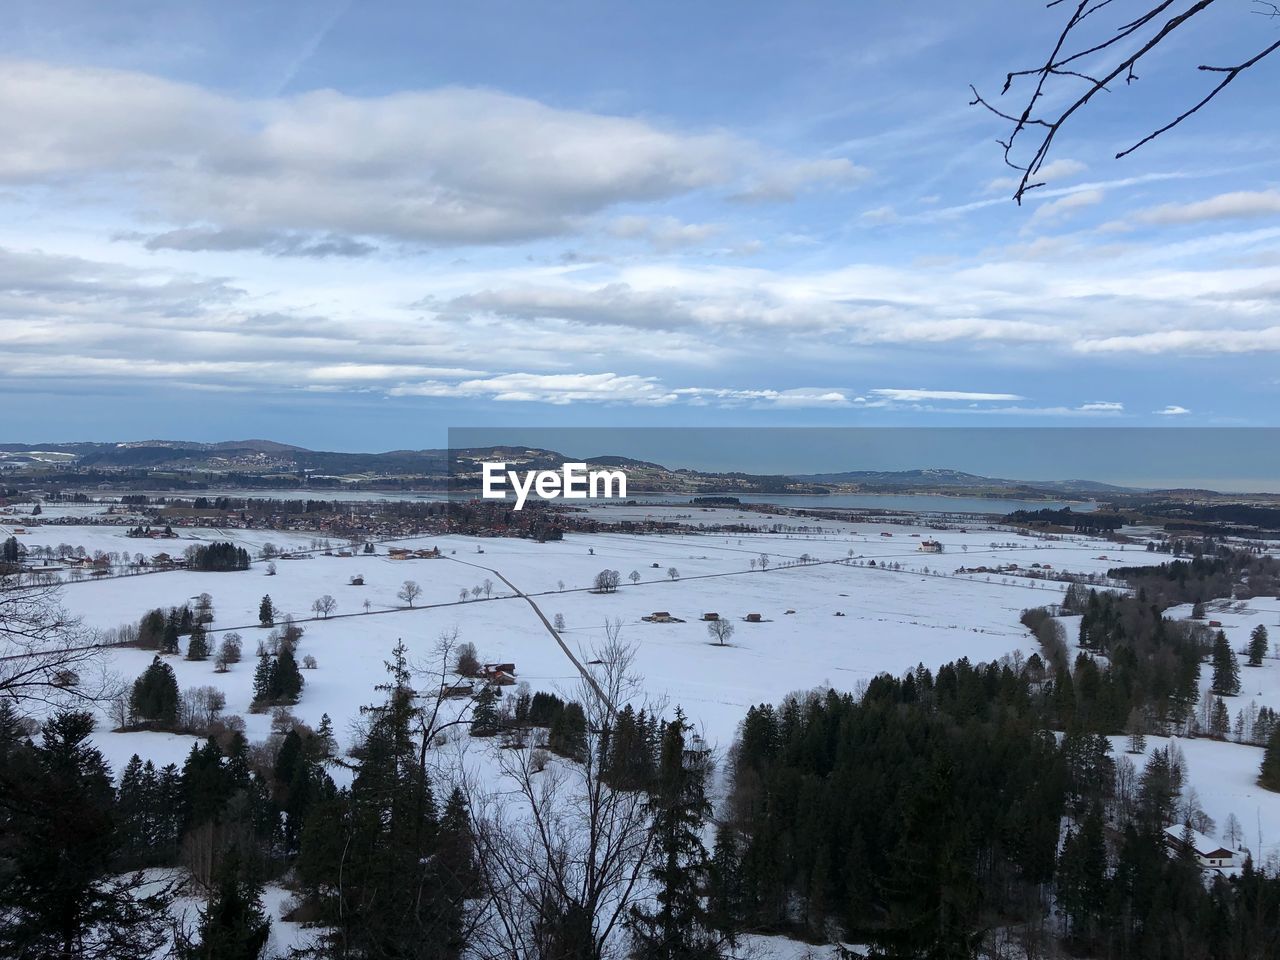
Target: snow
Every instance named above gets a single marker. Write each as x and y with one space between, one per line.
891 620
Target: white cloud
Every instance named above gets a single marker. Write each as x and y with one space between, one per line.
912 395
1065 206
1101 406
877 215
1172 410
787 180
1224 206
442 166
664 233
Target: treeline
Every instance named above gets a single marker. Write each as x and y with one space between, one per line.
1224 573
926 816
1088 522
220 557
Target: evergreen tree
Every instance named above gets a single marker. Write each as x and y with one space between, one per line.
484 718
568 733
1258 642
1269 776
264 683
1081 879
1226 669
266 612
155 695
1219 720
59 896
169 639
725 901
678 925
233 925
198 643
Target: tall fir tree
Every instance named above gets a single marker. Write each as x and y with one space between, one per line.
678 925
1258 644
1226 669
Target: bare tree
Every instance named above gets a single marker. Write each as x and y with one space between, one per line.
634 576
409 592
763 561
673 573
1093 54
487 587
560 853
720 630
46 655
323 606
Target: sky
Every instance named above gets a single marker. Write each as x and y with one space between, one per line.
353 226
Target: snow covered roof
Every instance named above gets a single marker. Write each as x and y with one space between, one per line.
1204 845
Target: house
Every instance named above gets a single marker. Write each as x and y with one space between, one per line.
930 546
489 669
458 689
885 533
710 616
1215 623
754 618
1209 853
399 553
431 554
661 616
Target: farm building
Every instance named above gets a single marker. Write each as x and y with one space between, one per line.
1209 853
754 618
930 546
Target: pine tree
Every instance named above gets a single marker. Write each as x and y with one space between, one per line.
287 676
1258 643
266 612
233 925
60 895
726 898
1219 720
264 683
1081 877
198 643
169 639
1269 776
1226 669
678 926
484 718
155 695
1136 729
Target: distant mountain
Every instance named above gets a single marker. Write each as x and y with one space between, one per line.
267 462
935 478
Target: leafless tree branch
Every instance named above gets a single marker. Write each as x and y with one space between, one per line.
1143 34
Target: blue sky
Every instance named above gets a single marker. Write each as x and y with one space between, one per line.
355 225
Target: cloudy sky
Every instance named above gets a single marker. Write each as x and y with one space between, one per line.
354 225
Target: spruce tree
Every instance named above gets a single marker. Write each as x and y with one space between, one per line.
1081 877
198 643
1269 775
233 925
1226 669
155 695
60 893
1257 645
678 926
266 612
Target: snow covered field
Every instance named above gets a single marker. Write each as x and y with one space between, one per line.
891 619
848 622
